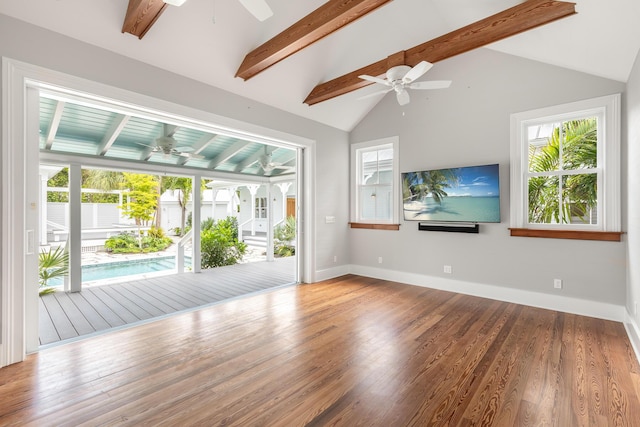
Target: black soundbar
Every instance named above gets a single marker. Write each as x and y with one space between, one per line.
452 228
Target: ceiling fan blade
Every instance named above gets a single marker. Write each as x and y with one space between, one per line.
376 93
189 155
183 149
403 97
432 84
417 71
375 80
258 8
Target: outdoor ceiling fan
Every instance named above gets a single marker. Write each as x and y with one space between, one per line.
267 164
168 146
402 77
258 8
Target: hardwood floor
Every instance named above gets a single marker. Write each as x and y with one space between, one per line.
349 351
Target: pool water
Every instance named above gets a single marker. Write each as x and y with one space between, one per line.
113 270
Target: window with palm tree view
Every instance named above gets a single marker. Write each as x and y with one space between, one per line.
562 180
565 166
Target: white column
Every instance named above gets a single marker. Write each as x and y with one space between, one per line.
253 189
284 188
43 209
230 203
196 214
214 194
75 228
269 224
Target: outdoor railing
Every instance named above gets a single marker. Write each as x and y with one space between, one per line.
180 252
240 227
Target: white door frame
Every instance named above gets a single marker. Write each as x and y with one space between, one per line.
16 337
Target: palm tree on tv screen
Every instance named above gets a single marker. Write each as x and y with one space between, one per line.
422 184
579 191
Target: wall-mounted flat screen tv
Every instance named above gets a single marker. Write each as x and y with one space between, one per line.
466 194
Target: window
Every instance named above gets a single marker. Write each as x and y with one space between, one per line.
261 207
374 177
565 167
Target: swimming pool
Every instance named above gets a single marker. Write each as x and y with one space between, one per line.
112 270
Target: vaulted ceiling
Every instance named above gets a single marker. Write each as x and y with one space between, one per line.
207 40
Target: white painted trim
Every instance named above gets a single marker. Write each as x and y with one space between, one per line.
13 212
608 108
500 293
354 174
16 76
332 272
633 332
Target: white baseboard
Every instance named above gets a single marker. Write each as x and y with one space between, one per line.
535 299
330 273
633 332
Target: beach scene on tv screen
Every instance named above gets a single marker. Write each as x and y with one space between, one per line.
468 194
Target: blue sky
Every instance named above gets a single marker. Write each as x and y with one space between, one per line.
477 181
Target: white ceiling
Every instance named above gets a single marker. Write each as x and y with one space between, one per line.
602 39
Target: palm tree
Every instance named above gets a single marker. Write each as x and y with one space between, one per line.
572 149
51 264
421 184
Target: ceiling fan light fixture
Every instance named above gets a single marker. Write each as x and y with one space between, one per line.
175 2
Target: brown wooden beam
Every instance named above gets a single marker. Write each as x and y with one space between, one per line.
515 20
141 15
323 21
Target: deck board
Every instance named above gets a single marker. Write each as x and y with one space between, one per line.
97 308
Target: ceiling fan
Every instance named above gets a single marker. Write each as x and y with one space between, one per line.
258 8
168 146
266 163
402 77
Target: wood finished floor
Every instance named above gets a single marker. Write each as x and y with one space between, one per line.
350 351
66 315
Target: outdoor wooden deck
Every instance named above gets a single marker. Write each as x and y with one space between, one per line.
65 316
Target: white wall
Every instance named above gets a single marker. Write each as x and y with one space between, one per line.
468 124
633 190
34 45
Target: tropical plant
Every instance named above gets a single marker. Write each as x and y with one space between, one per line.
572 149
142 198
127 242
284 237
182 187
51 264
219 244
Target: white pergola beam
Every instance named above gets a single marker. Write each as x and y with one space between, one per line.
199 147
254 158
231 151
54 124
112 134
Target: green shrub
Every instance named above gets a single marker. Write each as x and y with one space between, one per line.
127 242
284 236
219 244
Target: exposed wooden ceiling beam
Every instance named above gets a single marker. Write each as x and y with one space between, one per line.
520 18
323 21
141 15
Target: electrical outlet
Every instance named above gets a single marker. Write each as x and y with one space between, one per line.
335 258
379 260
447 269
557 283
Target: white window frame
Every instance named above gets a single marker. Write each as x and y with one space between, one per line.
607 108
356 150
